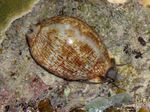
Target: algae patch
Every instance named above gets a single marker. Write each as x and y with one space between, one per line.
12 8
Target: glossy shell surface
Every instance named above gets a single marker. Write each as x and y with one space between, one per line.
69 48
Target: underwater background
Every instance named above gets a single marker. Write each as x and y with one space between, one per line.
125 30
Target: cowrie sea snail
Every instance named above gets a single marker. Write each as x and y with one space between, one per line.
70 49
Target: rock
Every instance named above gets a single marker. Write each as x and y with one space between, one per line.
100 104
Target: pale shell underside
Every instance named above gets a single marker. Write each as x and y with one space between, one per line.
69 48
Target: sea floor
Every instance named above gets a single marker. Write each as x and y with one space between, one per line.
124 29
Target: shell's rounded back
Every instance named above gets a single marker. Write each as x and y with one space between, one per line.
69 48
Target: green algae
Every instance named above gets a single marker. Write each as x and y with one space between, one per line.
12 8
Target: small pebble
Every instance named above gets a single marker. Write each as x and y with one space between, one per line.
77 110
144 109
45 106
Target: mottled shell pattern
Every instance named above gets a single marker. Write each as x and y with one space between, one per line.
69 48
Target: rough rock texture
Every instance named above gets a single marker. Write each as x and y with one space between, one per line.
125 30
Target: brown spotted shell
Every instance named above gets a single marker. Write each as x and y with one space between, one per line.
69 48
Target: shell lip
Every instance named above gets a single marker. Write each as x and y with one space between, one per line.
27 39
